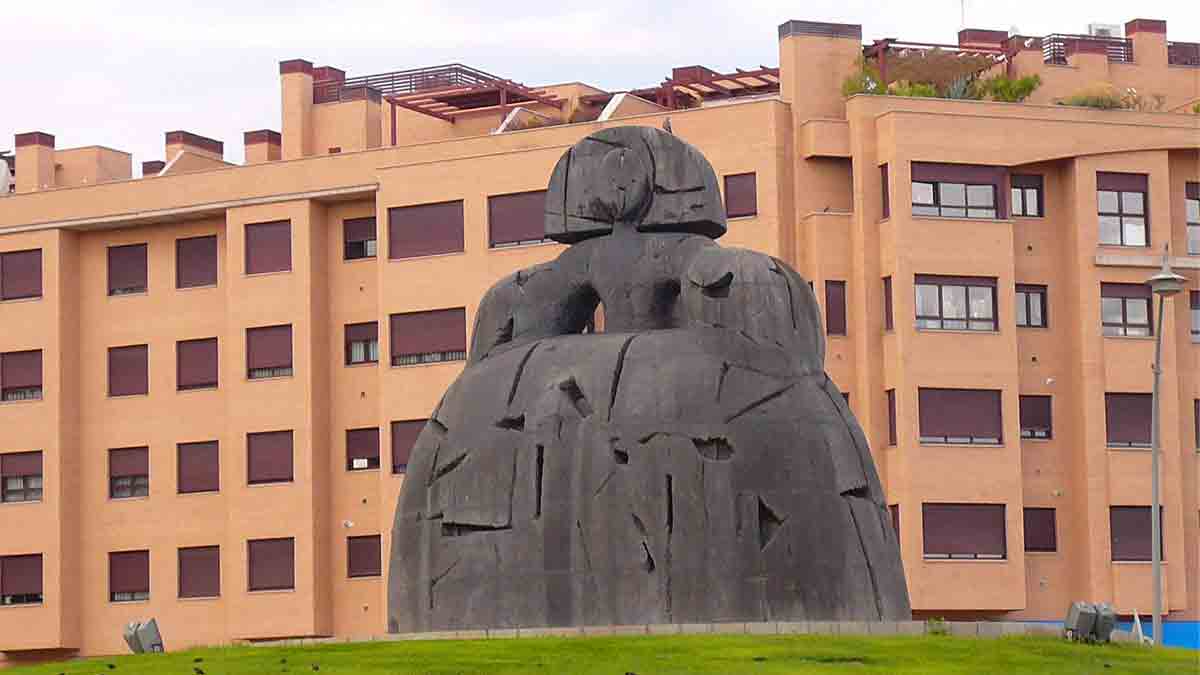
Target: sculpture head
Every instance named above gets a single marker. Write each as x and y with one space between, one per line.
638 177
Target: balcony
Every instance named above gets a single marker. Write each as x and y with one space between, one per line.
1059 47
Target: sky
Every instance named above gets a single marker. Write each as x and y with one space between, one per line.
121 73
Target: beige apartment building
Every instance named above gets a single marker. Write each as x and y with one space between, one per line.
211 375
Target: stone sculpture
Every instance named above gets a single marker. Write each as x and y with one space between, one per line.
692 462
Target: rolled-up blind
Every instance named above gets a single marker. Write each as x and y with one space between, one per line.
359 332
1192 190
1027 180
269 457
21 274
269 347
1035 412
964 529
404 437
835 307
197 363
516 217
200 572
128 370
944 279
440 330
269 247
741 195
196 262
129 572
125 462
359 229
199 467
971 174
21 574
1128 417
272 564
21 464
1124 291
21 369
425 229
362 443
1130 533
1040 530
363 556
126 268
1195 296
960 412
1126 182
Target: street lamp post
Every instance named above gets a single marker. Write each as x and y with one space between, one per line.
1164 284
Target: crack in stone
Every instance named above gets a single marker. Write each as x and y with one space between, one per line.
512 423
866 559
433 582
721 379
765 399
512 393
571 388
453 464
637 523
538 469
612 401
587 557
769 523
648 564
604 483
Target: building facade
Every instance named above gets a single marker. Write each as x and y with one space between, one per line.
211 374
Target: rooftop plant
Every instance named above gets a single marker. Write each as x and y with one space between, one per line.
1004 89
1107 97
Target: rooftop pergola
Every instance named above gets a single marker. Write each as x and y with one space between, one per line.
692 85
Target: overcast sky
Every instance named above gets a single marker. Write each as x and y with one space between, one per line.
120 73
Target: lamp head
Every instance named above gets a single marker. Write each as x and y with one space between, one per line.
1166 282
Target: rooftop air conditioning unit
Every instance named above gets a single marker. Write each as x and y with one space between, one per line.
1105 30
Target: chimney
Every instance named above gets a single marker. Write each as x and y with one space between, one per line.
263 145
35 161
195 143
296 85
814 58
152 168
980 37
1149 38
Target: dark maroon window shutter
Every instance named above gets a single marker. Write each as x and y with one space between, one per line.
362 444
1041 533
126 268
1036 412
272 564
359 332
196 363
359 229
964 529
960 413
972 174
887 200
1130 533
516 218
1128 418
129 572
894 512
888 323
1122 182
1192 191
891 410
21 464
269 247
439 330
21 574
1125 291
269 457
199 467
741 195
363 556
21 369
1195 299
425 229
954 280
125 462
1027 181
196 262
404 437
269 347
21 275
1196 421
200 572
128 370
835 307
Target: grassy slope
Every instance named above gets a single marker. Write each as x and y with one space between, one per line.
723 654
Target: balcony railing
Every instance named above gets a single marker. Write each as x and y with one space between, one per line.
1183 53
1057 48
402 82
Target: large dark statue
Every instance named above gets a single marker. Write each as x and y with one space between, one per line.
690 463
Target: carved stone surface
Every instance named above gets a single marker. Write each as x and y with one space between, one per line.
691 463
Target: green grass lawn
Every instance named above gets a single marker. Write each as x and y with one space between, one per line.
656 655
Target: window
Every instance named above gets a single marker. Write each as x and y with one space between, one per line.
199 467
129 576
741 195
894 512
268 352
1031 306
1195 298
269 247
1196 420
517 219
835 307
20 477
128 371
964 531
1036 417
21 275
21 376
269 457
1041 532
1027 196
956 303
1125 310
891 410
200 572
362 343
196 262
128 473
126 269
888 323
967 416
1129 528
957 190
425 229
196 364
362 449
359 236
272 564
1192 209
429 337
1128 420
364 557
886 190
21 579
404 437
1121 206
